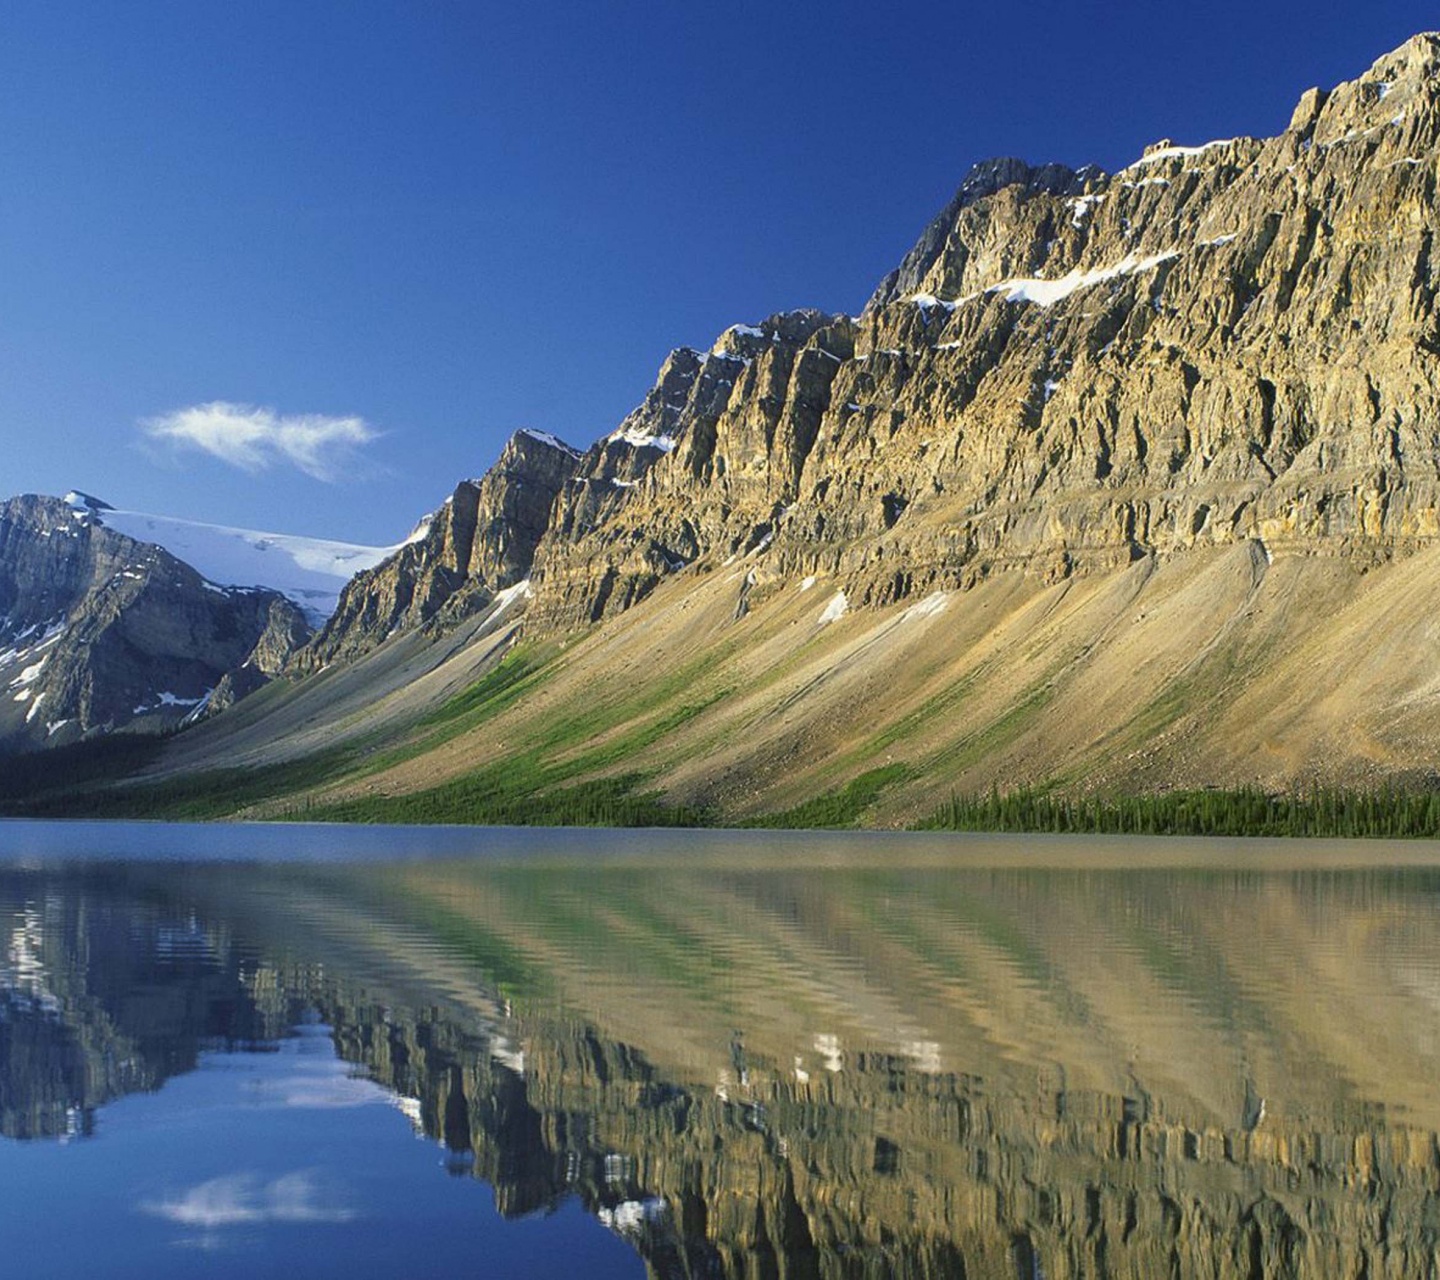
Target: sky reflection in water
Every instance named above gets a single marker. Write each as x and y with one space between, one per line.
899 1058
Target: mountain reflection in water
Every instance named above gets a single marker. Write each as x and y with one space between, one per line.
847 1070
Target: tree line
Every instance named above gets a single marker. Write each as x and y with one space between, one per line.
1386 813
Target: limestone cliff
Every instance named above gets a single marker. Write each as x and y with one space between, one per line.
1071 370
480 543
712 460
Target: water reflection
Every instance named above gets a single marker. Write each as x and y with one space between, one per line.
845 1071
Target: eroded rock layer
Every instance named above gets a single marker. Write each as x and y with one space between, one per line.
1071 369
480 543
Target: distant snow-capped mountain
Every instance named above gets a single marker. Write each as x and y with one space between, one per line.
310 571
101 631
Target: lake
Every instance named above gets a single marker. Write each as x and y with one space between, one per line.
239 1051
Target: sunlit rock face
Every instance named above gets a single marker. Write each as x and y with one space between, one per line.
1000 1074
1071 370
711 459
480 544
1102 475
99 631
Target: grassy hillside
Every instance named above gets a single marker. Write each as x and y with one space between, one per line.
1303 693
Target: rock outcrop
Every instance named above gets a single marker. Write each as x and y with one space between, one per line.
101 632
479 544
711 461
1071 370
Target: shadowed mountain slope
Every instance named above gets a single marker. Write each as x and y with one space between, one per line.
99 631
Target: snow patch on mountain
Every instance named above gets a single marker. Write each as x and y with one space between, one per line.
1046 293
838 607
522 590
18 652
311 571
1177 153
928 607
553 441
639 438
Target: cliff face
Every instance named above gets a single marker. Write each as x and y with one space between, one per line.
709 462
1070 371
99 631
480 543
1106 471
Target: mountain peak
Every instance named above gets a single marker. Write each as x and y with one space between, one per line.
1421 48
527 434
1399 90
987 177
85 501
981 184
103 630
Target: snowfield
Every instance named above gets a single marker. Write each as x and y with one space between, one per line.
311 571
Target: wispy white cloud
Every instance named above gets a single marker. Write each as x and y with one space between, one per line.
242 1199
256 438
319 1090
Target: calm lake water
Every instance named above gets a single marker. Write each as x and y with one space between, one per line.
241 1051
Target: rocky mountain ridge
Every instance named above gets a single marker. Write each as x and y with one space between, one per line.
99 631
475 549
1071 370
1103 474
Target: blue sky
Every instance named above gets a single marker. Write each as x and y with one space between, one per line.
435 223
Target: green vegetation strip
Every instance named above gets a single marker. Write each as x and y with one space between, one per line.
839 809
550 781
1388 814
516 674
531 786
99 790
516 793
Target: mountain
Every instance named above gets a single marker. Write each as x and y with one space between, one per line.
1225 345
1119 482
99 631
310 571
478 546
